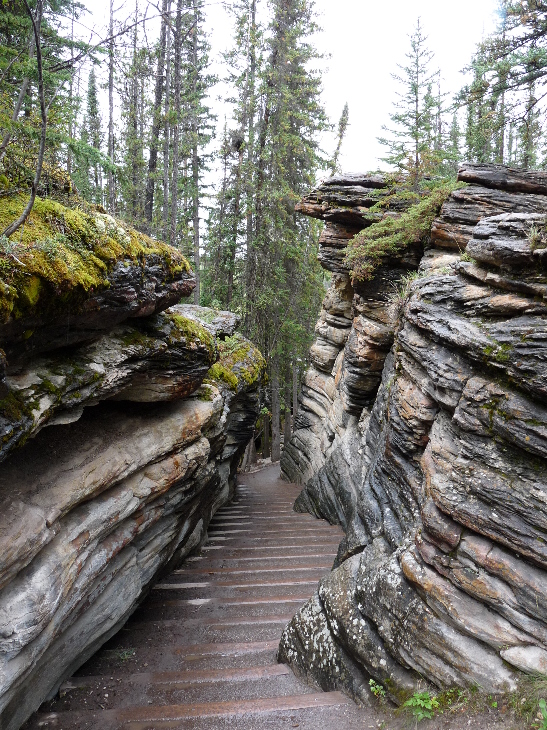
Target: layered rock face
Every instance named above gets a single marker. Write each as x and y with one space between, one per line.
438 470
116 451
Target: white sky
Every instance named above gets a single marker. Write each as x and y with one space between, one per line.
366 39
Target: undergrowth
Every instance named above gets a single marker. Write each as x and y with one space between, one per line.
371 247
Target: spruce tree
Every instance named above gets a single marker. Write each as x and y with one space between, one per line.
341 133
409 144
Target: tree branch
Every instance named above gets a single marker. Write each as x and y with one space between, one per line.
10 230
25 84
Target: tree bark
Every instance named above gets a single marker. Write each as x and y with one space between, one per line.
10 230
287 424
156 120
36 23
294 393
251 106
266 436
167 128
195 164
71 97
175 131
111 190
134 126
276 411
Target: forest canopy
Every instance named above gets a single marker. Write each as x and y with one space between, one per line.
123 123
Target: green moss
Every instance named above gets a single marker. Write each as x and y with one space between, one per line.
499 352
193 331
62 255
14 408
218 372
240 363
390 236
135 338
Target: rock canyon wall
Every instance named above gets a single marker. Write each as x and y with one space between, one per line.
423 431
123 416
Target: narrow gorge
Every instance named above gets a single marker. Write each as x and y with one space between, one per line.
422 430
123 418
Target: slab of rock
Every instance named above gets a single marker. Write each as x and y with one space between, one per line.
100 273
95 506
506 178
440 479
510 241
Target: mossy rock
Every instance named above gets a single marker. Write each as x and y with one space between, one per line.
241 365
64 250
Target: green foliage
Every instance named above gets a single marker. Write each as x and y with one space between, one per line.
417 144
542 715
505 101
370 248
377 690
422 706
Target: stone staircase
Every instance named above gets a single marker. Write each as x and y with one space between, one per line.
200 652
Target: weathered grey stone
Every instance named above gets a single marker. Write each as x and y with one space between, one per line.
439 479
94 507
163 358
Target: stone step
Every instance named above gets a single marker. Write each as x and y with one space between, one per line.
200 652
167 716
249 605
176 688
293 570
228 589
178 657
165 632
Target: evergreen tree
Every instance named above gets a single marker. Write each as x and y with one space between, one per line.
410 145
342 129
93 137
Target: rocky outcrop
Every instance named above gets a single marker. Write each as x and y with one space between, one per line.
355 330
116 452
438 473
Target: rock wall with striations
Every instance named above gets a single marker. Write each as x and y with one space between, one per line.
439 473
117 447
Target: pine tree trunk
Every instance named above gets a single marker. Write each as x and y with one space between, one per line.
156 119
266 437
111 191
134 125
175 131
231 258
287 424
276 412
166 129
251 113
294 393
195 165
71 94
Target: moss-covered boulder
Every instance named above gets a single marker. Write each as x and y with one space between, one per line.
73 274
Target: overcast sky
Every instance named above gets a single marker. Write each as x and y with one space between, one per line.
366 39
